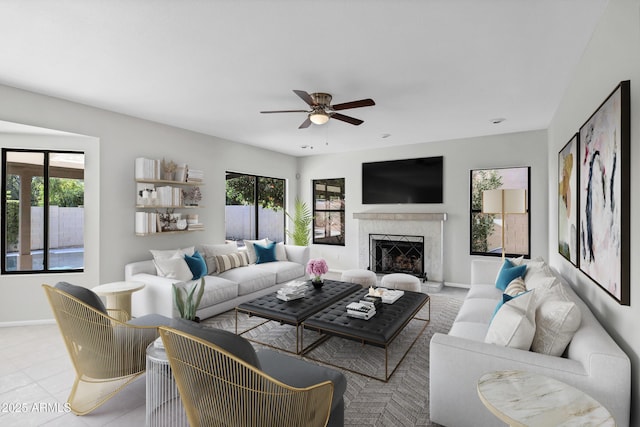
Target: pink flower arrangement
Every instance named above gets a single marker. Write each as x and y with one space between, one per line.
317 267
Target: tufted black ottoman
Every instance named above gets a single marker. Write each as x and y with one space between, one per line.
380 330
295 312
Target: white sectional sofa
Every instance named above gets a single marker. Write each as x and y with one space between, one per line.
592 362
223 290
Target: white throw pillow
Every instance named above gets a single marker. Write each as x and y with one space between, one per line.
173 268
556 323
514 324
515 287
172 253
251 251
281 253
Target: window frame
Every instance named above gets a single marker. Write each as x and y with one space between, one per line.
256 206
473 212
315 211
45 238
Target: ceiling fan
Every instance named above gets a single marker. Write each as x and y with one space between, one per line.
322 110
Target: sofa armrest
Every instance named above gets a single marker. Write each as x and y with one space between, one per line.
484 272
457 363
140 267
298 254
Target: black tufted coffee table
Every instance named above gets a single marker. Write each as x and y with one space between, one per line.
295 312
380 330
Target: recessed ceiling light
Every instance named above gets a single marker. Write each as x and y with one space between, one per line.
497 120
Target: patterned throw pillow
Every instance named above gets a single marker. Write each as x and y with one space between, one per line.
516 287
229 261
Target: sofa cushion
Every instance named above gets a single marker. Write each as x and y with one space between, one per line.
469 330
477 310
196 264
284 270
250 279
173 268
211 251
484 291
217 290
265 253
230 261
516 287
514 324
507 273
300 373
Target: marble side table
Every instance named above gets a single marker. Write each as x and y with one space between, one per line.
118 294
527 399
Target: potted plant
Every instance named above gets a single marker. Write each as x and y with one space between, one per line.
187 302
302 220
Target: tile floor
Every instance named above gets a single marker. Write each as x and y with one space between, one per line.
36 376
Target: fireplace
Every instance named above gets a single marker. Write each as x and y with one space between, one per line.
397 254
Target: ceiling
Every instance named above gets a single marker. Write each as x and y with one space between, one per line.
437 69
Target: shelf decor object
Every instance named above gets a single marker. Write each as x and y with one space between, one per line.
164 186
503 202
604 195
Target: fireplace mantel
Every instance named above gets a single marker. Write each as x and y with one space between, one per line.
382 216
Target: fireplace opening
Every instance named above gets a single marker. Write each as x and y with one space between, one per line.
397 254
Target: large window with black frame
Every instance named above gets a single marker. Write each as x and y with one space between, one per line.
42 211
328 211
254 208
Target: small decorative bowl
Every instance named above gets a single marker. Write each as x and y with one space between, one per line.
317 285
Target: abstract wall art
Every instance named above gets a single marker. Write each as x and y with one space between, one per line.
568 201
604 156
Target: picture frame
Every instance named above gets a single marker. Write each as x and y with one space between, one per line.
604 194
568 200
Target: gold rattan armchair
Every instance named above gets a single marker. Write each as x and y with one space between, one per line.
220 389
107 353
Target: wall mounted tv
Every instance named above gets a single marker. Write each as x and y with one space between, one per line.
403 181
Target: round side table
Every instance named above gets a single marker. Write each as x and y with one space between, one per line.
118 294
164 406
526 399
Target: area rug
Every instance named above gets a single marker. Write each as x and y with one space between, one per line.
404 399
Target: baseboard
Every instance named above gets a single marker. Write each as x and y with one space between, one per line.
27 323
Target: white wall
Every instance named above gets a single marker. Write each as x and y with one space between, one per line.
122 139
460 156
612 55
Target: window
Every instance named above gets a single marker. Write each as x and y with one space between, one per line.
43 211
486 229
328 211
254 208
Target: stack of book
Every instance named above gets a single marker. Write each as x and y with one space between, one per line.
146 222
195 175
195 226
292 290
147 168
361 310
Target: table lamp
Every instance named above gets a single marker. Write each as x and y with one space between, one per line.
503 202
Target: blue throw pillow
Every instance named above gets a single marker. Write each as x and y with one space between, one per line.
197 265
508 273
265 253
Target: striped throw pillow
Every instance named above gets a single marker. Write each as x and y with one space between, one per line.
229 261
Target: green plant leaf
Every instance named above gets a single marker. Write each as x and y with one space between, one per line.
302 219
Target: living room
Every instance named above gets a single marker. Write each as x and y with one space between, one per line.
112 141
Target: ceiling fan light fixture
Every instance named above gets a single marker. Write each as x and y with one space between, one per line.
319 117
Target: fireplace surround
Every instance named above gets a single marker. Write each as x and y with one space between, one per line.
429 226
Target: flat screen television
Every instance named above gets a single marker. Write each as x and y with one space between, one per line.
403 181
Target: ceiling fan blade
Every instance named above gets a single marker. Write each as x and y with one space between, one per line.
284 111
354 104
305 124
305 96
347 119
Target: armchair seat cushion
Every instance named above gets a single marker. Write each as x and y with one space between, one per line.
299 373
